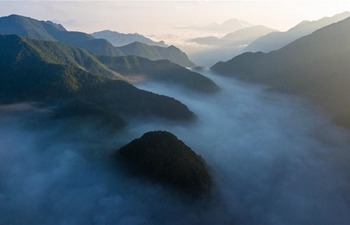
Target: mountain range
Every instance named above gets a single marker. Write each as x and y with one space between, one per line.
316 66
226 27
120 39
277 40
30 75
49 31
242 36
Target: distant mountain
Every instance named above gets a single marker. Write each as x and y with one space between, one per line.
226 27
316 66
243 36
157 53
135 68
46 30
28 75
277 40
120 39
162 158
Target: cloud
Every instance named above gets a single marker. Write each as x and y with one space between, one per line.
275 159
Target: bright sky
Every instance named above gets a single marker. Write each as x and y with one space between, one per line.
159 17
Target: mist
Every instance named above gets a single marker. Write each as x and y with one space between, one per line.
274 159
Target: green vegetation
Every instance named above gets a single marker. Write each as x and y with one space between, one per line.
316 66
162 158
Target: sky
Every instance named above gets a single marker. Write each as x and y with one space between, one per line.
159 19
154 17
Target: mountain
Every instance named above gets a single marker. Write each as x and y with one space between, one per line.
226 27
243 36
135 68
316 66
46 30
120 39
28 75
157 53
277 40
161 157
49 31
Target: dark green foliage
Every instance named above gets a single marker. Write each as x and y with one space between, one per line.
316 65
161 157
157 53
161 70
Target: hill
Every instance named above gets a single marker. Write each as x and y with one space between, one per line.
29 75
120 39
157 53
316 66
277 40
160 157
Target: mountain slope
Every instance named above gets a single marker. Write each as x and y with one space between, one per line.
120 39
134 68
277 40
28 76
316 65
157 53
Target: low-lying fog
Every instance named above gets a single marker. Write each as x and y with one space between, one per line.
275 159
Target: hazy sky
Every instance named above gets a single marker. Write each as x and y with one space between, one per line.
154 17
